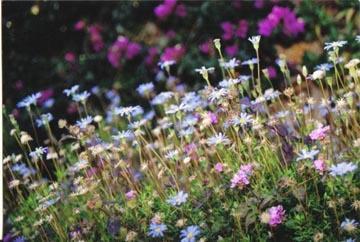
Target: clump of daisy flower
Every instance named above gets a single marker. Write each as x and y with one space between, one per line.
190 233
342 168
157 230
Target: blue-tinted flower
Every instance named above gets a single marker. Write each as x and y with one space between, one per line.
124 134
44 119
166 64
324 67
19 239
126 111
231 64
218 94
71 91
145 89
305 154
82 123
157 230
334 45
29 100
162 98
178 199
342 168
81 97
189 233
218 139
250 62
38 152
349 225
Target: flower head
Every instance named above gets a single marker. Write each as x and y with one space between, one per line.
320 166
334 45
342 168
349 225
29 100
319 133
189 233
305 154
255 40
277 215
157 230
82 123
218 139
178 199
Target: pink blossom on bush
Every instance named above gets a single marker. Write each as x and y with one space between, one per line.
231 50
205 47
242 29
133 49
95 37
319 133
164 10
70 57
228 30
79 25
45 95
173 53
320 166
292 26
150 58
272 72
181 10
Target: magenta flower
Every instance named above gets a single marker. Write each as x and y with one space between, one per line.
45 95
228 31
173 53
241 178
319 133
70 57
219 167
231 50
242 29
205 47
164 10
130 195
272 72
95 37
320 166
133 49
292 26
181 11
277 215
213 118
150 58
79 25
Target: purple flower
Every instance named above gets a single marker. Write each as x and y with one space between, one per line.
178 199
231 50
173 53
79 25
164 10
241 178
132 50
130 195
157 230
70 57
319 133
219 167
95 37
320 166
228 30
242 29
277 215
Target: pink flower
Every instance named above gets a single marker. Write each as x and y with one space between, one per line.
241 178
228 31
150 58
242 29
181 10
130 195
277 215
231 50
70 57
45 95
165 9
319 133
133 49
79 25
320 166
95 37
213 118
173 53
219 167
205 47
272 72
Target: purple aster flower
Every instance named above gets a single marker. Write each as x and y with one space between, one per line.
277 215
190 233
157 230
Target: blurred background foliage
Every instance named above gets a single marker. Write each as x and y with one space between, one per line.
52 45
